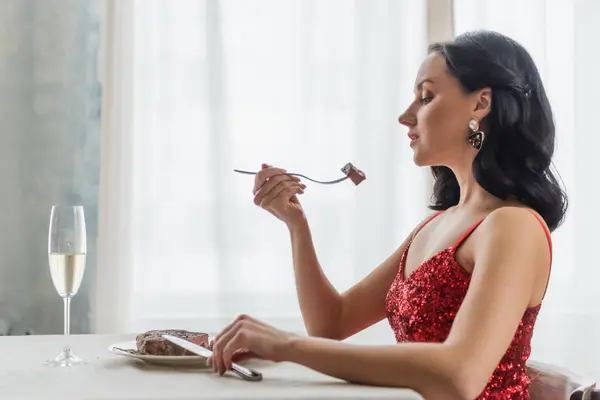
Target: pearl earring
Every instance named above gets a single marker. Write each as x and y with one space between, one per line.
476 137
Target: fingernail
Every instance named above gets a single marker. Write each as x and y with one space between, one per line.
208 362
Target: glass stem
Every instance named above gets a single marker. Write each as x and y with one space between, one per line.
67 319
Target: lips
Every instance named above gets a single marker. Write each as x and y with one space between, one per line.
413 138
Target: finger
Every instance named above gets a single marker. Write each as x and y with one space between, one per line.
244 317
264 174
244 338
269 185
286 196
241 356
271 191
209 345
224 331
221 358
221 340
241 317
217 356
239 340
217 346
273 181
277 190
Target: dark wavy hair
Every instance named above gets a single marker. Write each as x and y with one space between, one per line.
516 157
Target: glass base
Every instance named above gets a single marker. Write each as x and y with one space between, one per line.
66 358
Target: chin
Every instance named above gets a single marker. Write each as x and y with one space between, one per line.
420 160
425 157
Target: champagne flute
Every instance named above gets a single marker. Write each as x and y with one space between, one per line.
66 255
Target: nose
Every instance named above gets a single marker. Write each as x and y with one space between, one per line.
407 120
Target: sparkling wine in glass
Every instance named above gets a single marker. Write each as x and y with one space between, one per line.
66 255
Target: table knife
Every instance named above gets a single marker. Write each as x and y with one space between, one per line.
245 373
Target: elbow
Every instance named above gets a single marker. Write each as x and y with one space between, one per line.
327 330
464 377
468 387
330 327
467 381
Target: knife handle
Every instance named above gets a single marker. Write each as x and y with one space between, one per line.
246 373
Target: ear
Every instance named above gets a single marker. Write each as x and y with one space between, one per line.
482 103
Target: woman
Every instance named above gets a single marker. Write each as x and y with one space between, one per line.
463 291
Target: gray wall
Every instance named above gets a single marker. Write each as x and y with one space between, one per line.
49 150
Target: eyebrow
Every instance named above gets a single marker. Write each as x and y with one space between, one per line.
418 87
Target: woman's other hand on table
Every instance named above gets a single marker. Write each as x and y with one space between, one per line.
246 338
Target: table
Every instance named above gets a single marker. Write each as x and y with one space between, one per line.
112 377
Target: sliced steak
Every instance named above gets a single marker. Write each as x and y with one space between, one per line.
152 342
355 174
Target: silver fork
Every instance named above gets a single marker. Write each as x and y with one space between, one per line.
301 176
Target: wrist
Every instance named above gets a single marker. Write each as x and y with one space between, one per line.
292 348
298 226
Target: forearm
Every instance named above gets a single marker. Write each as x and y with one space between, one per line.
320 302
429 368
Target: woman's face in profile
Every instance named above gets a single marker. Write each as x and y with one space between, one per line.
439 115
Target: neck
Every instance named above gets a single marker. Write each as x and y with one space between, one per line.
471 193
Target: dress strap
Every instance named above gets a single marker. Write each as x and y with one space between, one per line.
428 220
465 235
546 231
549 238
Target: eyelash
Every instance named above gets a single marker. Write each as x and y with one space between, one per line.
426 100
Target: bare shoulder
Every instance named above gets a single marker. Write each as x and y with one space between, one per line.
514 222
515 238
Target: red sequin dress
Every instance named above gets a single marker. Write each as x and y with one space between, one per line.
422 307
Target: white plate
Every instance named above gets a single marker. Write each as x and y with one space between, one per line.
180 361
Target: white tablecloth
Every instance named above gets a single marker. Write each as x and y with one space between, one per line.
109 377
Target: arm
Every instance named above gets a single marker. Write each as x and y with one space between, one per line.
328 314
511 262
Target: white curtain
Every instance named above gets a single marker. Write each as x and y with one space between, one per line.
216 85
194 89
559 35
